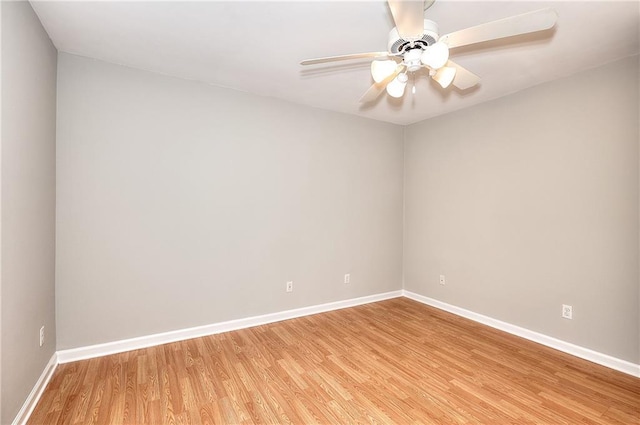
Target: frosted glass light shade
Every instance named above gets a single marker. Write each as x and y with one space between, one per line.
435 56
396 87
381 70
445 76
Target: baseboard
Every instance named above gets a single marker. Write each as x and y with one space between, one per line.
566 347
35 394
82 353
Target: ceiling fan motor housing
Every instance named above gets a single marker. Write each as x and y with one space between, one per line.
399 45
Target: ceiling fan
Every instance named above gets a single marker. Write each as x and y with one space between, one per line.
415 44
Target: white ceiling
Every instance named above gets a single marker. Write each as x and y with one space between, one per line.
256 47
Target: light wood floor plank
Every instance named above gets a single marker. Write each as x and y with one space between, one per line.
392 362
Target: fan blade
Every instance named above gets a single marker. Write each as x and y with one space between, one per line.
464 78
373 92
409 17
377 88
537 20
344 57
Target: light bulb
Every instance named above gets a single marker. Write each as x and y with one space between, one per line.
381 70
445 76
436 55
396 87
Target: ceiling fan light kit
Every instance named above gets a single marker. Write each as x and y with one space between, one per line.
444 76
414 43
412 60
396 87
381 70
435 56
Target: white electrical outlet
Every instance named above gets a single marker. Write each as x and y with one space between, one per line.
442 279
41 336
567 311
290 286
347 278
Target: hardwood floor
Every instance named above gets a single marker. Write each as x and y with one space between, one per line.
394 362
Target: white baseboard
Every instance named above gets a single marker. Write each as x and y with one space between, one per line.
35 394
566 347
82 353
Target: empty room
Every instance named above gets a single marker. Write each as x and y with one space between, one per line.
320 212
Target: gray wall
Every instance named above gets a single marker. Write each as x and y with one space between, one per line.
28 202
1 215
182 204
531 201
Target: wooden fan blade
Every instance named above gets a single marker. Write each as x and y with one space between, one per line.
373 92
376 89
464 78
537 20
409 17
344 57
